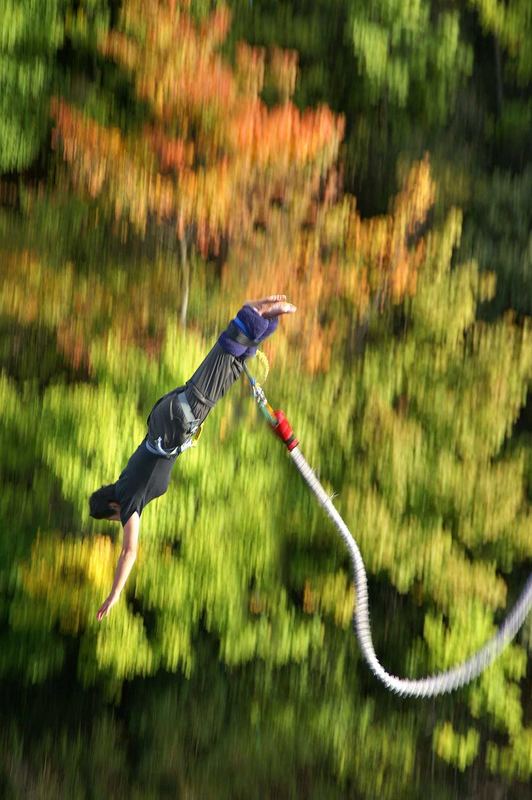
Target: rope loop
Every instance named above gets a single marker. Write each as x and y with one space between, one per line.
430 686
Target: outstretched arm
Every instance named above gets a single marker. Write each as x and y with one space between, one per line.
222 366
127 558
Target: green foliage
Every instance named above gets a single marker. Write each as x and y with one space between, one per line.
407 55
242 677
315 29
30 34
440 403
459 749
511 24
436 499
86 21
396 71
403 55
75 761
273 737
498 231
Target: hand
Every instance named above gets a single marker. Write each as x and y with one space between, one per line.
106 607
272 306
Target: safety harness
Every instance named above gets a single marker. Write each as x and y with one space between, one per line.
192 431
237 331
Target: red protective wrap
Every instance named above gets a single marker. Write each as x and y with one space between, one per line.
284 431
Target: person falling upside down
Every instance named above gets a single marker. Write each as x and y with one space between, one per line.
172 424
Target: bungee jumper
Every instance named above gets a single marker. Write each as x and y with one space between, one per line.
173 423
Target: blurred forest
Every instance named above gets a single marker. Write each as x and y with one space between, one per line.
161 161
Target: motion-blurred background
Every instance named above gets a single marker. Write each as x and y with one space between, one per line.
160 162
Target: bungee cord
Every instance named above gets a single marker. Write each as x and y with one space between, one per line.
432 685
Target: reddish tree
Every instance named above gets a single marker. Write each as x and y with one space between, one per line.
213 158
324 252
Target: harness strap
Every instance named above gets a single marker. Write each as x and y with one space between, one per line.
201 397
158 450
235 330
193 423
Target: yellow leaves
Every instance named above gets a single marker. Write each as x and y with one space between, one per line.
418 551
513 760
384 248
174 644
35 292
250 68
469 581
122 649
81 312
62 585
416 198
122 48
32 292
332 594
14 300
488 500
455 748
283 71
497 695
67 578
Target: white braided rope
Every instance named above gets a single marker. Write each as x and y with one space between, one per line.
435 684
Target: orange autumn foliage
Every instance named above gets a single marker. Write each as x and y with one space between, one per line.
324 255
385 252
217 165
213 150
